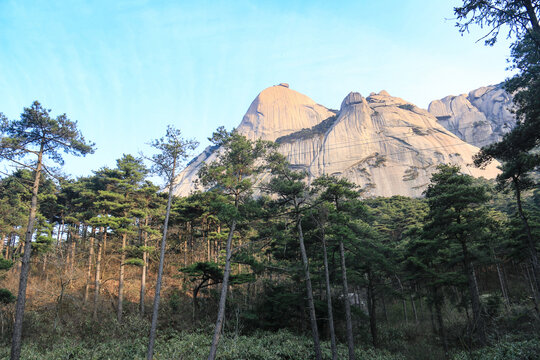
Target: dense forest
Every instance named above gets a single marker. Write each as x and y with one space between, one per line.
289 270
265 264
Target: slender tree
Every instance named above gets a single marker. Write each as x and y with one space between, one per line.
231 176
340 193
457 216
39 136
292 193
173 150
518 149
321 218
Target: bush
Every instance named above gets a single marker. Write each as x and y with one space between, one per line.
521 350
194 346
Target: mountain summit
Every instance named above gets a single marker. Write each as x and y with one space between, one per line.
278 111
384 144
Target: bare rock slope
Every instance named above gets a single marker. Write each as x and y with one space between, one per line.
480 117
383 143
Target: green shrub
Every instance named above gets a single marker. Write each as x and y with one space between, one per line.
6 297
521 350
194 346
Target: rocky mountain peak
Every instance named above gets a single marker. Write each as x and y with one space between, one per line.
352 99
480 117
384 144
278 111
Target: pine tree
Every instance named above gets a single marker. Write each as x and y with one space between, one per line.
457 216
173 151
39 136
231 176
292 193
340 193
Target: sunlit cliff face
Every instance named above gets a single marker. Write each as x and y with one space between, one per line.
382 143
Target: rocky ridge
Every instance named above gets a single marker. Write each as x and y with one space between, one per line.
385 144
480 117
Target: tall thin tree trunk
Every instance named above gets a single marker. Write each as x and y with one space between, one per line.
206 226
121 279
59 235
329 299
8 247
185 250
155 309
503 285
478 317
385 311
44 265
89 268
2 241
533 290
72 261
413 305
348 318
372 310
223 296
145 266
98 272
403 301
438 312
25 267
531 243
311 305
432 318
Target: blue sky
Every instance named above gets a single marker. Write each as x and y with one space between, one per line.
126 69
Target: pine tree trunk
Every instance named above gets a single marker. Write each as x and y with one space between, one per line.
329 300
432 318
413 305
155 309
98 272
531 243
504 290
403 301
185 250
223 296
89 268
59 236
25 266
8 247
385 311
533 290
372 310
72 262
121 279
348 318
311 304
44 265
442 331
2 241
143 274
478 317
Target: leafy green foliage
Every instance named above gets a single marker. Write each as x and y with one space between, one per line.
134 262
5 264
6 297
521 350
173 149
194 346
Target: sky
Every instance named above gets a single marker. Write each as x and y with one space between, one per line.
124 70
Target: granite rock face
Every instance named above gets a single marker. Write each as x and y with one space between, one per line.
382 143
279 111
480 117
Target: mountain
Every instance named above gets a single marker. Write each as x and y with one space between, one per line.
479 118
385 144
